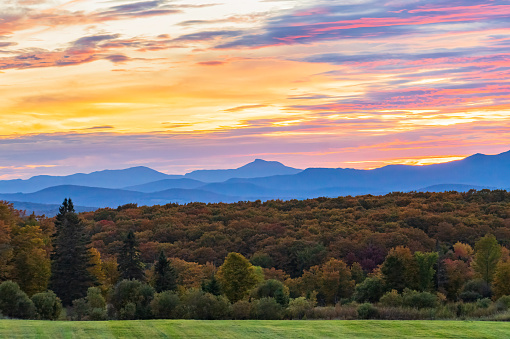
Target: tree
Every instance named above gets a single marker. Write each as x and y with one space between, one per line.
70 277
425 266
487 254
335 280
399 269
6 222
96 266
130 265
165 275
212 286
500 284
32 265
236 277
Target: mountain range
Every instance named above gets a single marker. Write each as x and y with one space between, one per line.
259 179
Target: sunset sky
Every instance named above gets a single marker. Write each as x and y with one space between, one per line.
180 85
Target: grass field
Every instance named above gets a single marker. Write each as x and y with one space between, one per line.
253 329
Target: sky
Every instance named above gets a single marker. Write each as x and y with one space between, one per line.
179 85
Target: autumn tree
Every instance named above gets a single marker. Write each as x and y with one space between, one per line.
32 265
130 265
500 283
7 220
70 277
236 277
165 276
335 280
487 254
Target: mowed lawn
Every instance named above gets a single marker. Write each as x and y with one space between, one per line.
253 329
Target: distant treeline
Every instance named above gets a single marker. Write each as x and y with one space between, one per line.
402 255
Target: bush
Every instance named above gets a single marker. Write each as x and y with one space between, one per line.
392 299
164 304
241 310
47 305
266 309
474 290
299 307
484 303
273 289
367 311
14 303
503 303
419 300
196 304
370 290
132 292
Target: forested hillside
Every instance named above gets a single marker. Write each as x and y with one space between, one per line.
397 250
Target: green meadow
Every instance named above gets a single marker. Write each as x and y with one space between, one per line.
253 329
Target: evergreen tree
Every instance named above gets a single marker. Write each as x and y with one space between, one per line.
70 277
165 275
130 265
212 286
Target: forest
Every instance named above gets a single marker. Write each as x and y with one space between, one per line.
398 256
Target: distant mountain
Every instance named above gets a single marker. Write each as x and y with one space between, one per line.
255 169
259 179
453 187
477 170
165 184
107 197
106 179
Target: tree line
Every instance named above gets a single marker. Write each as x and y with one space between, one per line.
280 258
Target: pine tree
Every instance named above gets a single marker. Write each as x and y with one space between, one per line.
212 286
70 277
165 275
130 265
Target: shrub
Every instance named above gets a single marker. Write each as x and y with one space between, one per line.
273 289
370 290
484 303
14 303
241 310
419 300
164 304
47 305
299 307
474 290
367 311
196 304
132 292
266 309
392 299
503 303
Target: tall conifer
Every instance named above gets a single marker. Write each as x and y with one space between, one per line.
130 265
166 277
70 277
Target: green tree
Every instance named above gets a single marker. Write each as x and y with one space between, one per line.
399 269
130 265
212 286
487 254
70 277
236 277
425 266
165 275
